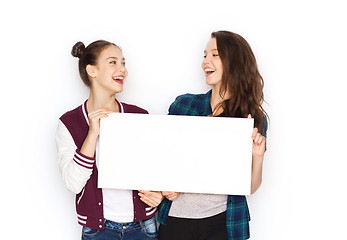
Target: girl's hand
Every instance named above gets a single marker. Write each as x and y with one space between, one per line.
258 148
151 198
170 195
89 144
94 120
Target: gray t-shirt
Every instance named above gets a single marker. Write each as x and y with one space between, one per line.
198 205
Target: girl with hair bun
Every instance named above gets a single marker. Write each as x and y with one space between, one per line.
103 213
237 91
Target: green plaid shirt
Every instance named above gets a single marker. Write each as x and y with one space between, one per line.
237 220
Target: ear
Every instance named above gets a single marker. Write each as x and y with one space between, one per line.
91 70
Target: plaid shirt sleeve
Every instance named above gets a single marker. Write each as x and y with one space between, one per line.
163 211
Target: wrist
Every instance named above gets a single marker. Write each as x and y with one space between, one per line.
92 135
257 160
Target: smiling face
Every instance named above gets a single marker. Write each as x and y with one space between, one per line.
110 72
212 64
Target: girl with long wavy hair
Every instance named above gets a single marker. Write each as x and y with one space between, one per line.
237 91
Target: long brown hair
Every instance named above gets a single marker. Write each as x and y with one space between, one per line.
241 80
88 55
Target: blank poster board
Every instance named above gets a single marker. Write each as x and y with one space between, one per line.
175 153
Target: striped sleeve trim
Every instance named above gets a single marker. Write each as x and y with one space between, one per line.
83 160
150 211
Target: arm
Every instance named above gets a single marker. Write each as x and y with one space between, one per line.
75 167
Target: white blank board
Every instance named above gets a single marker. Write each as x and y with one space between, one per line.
175 153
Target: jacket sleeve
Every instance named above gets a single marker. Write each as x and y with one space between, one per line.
75 168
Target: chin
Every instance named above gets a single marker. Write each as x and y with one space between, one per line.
211 83
118 90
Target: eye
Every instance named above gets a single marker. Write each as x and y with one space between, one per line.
113 62
216 55
123 63
205 56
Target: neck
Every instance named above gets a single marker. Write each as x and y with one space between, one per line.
215 97
97 101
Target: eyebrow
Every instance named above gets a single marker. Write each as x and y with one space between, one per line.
215 49
114 58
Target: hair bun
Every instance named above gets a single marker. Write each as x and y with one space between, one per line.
78 50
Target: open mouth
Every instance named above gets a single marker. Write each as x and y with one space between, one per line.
209 71
118 79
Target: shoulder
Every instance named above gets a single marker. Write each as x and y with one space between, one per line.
76 123
72 115
188 103
189 98
130 108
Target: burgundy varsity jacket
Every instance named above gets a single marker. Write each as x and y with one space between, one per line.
80 173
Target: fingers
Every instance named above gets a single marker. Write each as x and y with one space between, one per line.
165 193
254 133
151 198
259 139
170 195
258 148
147 200
99 113
94 120
255 130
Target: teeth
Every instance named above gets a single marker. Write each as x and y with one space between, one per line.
118 78
209 70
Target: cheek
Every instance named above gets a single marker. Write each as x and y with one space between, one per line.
221 72
220 68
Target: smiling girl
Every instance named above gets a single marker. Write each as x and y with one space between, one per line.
237 91
103 213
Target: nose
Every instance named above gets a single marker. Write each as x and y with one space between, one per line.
205 61
122 69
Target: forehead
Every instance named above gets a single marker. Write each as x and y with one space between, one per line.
211 45
111 51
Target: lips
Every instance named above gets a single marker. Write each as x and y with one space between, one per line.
118 79
209 71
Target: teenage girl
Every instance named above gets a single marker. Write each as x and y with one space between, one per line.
103 213
237 91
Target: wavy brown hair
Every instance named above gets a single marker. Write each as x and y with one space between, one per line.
241 80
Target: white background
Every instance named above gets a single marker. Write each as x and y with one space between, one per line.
301 51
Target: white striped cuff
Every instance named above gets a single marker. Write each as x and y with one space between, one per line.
83 160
